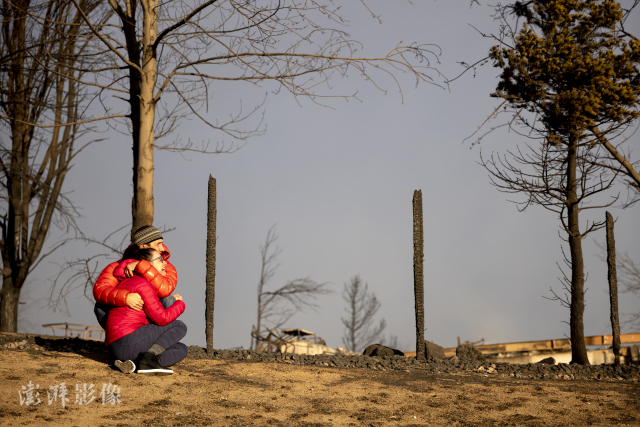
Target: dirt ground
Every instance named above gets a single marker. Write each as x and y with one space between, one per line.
223 393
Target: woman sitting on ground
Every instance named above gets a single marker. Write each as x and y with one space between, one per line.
145 341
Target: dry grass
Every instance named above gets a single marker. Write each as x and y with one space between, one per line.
206 392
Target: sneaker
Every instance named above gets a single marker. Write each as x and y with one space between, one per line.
148 363
125 367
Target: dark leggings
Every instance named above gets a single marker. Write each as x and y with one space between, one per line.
168 337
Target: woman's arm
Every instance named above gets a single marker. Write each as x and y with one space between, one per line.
154 309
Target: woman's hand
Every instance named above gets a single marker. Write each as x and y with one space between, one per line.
177 297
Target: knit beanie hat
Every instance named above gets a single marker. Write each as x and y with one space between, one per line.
145 235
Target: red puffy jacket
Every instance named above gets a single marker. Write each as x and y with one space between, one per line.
124 320
106 290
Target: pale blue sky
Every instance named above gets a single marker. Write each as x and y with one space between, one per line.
339 182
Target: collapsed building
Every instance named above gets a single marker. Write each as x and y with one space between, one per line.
599 350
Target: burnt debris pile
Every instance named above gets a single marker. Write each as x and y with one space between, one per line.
453 365
465 364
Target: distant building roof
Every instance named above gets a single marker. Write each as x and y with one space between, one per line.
297 332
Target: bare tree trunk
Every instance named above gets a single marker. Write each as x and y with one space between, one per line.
41 58
418 276
17 108
576 321
211 264
142 103
613 288
258 328
9 306
15 256
143 187
351 333
127 17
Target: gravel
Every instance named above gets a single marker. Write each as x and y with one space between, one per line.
563 371
628 373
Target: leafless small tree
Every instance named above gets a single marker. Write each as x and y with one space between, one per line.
629 278
362 306
276 307
628 271
43 52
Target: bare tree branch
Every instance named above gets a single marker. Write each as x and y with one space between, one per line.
276 307
362 306
171 58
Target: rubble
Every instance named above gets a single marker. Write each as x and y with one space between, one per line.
630 373
453 365
381 351
433 351
467 352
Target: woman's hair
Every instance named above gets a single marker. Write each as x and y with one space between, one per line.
138 253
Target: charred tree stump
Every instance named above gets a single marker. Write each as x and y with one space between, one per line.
418 276
613 288
210 297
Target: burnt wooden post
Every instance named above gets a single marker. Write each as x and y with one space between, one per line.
418 276
210 297
613 288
